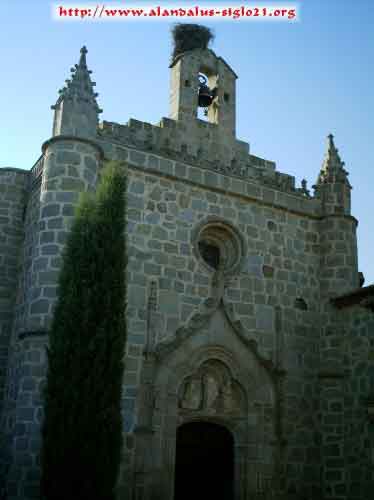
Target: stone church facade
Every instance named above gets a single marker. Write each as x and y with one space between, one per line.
250 351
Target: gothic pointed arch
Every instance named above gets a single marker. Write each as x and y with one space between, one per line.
201 319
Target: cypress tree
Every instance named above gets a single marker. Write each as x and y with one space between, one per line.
82 429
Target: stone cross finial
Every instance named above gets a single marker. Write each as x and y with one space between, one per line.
82 59
330 144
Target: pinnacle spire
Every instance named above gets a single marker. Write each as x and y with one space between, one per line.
332 158
332 167
76 109
79 87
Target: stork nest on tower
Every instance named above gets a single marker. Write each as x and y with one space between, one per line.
189 37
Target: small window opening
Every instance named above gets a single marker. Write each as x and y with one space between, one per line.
187 83
202 113
226 97
301 304
210 253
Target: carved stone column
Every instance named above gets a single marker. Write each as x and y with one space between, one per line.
144 430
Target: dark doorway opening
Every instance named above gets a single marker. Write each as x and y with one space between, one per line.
204 467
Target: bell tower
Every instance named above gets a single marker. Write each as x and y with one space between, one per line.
199 78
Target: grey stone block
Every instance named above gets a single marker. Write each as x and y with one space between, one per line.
134 201
55 171
195 174
68 157
152 269
48 277
69 184
160 233
55 223
40 307
137 158
90 163
167 167
137 187
264 317
68 210
153 162
153 218
26 414
50 250
180 170
137 296
211 179
69 197
47 237
51 211
41 263
169 302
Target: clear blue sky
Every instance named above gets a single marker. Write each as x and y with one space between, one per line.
297 83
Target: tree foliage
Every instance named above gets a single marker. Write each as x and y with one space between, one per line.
82 430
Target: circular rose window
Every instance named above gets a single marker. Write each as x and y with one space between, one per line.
217 244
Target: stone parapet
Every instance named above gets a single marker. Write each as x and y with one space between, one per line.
197 144
260 188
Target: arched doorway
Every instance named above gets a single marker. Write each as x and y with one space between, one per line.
204 466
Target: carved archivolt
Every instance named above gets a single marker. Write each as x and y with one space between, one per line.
211 389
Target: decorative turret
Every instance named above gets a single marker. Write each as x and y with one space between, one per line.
338 275
333 186
76 109
339 268
71 162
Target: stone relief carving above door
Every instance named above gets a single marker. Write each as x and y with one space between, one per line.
211 389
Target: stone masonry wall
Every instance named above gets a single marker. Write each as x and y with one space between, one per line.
276 294
70 167
13 184
339 265
29 368
17 362
347 384
358 352
29 250
280 272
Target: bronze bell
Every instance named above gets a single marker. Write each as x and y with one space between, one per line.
206 96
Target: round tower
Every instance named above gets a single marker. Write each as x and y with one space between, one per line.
69 166
71 162
338 275
339 266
